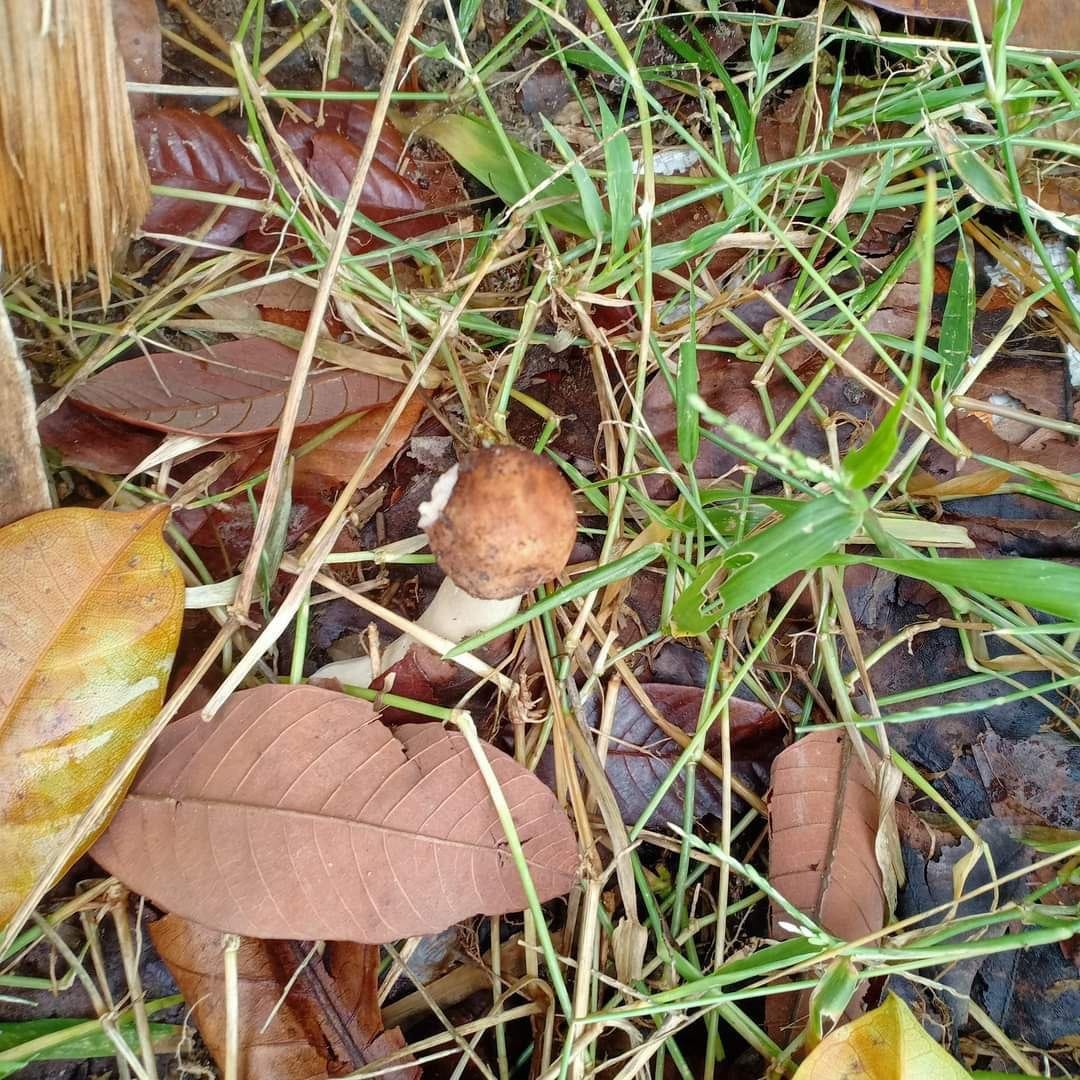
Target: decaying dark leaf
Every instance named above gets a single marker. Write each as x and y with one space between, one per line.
1034 780
727 385
823 821
1033 995
639 755
930 883
223 531
327 1025
296 814
236 388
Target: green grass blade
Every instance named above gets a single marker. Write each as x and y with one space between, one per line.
591 206
753 567
1047 586
619 164
688 429
478 150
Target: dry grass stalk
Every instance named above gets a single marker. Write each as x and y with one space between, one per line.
73 186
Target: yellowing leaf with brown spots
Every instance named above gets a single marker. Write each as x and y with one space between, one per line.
886 1044
90 610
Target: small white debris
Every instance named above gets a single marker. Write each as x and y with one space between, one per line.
678 159
1058 252
1072 357
441 490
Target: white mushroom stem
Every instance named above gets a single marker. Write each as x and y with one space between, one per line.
453 614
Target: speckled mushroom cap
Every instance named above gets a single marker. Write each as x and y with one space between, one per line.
507 523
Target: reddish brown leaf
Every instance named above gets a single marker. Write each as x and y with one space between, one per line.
823 821
337 459
223 531
422 675
333 164
388 197
398 188
1043 24
727 385
351 119
327 1025
87 440
295 813
188 149
640 755
236 388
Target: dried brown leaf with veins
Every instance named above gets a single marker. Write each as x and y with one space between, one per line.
823 825
324 1022
295 813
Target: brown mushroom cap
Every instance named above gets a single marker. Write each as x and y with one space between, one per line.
508 525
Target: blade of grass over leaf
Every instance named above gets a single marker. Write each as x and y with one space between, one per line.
478 150
1053 587
748 570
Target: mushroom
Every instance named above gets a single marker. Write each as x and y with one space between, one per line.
500 523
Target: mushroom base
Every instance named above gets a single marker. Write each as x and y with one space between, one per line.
453 614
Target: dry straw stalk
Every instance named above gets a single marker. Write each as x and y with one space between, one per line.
73 186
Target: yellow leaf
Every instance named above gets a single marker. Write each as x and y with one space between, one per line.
90 610
886 1044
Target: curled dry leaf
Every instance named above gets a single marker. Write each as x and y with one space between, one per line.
295 813
823 823
90 609
236 388
324 1023
640 756
886 1043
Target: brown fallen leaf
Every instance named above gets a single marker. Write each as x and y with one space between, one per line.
235 388
639 755
90 609
334 462
1050 25
188 149
326 1024
295 813
88 440
226 527
823 822
138 37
